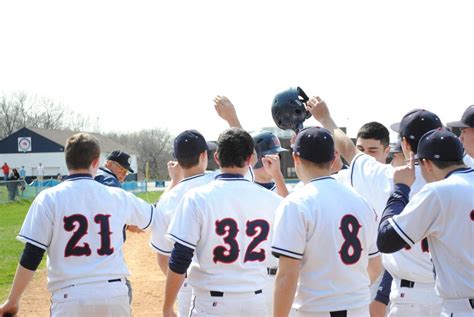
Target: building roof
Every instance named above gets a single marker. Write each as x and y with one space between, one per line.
60 136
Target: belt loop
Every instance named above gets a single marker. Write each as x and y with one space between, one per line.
339 313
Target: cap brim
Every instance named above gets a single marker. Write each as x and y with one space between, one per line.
211 146
395 127
458 124
130 170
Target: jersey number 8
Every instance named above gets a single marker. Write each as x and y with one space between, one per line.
351 249
258 229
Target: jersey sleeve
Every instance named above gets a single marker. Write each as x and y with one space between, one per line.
38 225
418 218
158 240
373 250
372 180
289 222
185 226
141 214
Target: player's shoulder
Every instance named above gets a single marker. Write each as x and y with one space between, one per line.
369 165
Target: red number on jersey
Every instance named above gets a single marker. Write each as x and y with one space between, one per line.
80 224
229 253
351 249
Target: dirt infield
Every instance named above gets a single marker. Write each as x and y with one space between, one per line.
147 282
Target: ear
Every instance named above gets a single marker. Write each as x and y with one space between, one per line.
406 148
253 159
95 163
216 158
296 159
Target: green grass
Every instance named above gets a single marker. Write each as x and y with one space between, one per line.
11 219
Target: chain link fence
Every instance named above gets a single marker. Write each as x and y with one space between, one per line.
15 190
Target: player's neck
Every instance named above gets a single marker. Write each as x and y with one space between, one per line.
80 171
235 170
308 174
193 171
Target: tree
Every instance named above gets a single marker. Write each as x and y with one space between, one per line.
18 110
151 145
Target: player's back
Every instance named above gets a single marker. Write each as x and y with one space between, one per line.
236 224
80 222
339 228
452 233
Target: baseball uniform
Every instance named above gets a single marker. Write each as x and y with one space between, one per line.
79 223
227 223
333 233
411 268
443 212
165 209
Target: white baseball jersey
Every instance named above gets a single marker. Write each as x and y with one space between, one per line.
444 213
228 223
333 231
374 181
469 161
165 210
80 224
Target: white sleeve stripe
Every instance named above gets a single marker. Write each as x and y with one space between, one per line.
38 244
159 250
151 218
400 232
183 242
287 252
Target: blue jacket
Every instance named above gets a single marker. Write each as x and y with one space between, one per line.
106 177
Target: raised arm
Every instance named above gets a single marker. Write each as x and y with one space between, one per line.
344 144
226 110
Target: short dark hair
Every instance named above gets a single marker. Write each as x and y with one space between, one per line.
375 130
189 162
445 164
234 147
81 149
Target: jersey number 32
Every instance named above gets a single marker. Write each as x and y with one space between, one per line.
257 229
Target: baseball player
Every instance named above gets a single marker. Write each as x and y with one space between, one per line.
373 139
79 224
267 169
226 224
443 212
325 236
412 289
466 124
190 149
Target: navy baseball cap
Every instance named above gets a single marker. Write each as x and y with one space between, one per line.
314 144
416 123
122 158
440 145
190 143
467 120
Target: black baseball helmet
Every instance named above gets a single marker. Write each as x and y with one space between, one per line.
266 143
288 109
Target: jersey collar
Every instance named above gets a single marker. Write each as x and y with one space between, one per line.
321 178
461 170
191 177
106 170
74 177
231 177
268 186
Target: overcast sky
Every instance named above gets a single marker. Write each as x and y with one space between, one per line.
144 64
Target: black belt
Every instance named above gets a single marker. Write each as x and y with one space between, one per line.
116 280
407 283
272 271
221 294
339 313
471 301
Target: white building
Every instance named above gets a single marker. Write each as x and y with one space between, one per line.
28 147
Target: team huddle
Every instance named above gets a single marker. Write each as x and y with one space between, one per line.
367 239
